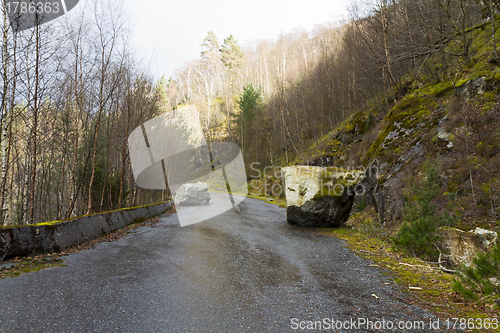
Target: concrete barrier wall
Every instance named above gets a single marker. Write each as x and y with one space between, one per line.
22 240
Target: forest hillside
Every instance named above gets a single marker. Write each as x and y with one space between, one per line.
346 93
399 83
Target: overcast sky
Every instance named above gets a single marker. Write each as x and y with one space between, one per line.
169 33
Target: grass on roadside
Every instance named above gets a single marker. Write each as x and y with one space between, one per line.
419 282
275 201
30 264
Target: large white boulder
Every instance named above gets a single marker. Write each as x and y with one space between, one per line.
191 194
320 197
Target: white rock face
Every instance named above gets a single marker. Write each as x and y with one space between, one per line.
192 194
301 184
319 197
463 246
489 237
443 135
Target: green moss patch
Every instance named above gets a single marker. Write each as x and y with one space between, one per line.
273 201
49 223
30 264
418 282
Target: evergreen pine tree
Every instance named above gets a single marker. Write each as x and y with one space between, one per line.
418 232
232 55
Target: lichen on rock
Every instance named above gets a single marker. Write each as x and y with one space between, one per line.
320 197
463 246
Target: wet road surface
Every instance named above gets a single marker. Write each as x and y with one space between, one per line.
239 272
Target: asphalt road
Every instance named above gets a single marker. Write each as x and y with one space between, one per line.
247 271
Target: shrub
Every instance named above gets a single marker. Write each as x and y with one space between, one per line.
417 235
480 277
361 204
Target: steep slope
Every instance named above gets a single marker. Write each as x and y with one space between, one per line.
454 122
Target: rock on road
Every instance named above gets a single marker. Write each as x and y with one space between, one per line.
247 271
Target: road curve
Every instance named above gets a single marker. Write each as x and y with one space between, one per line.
246 271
